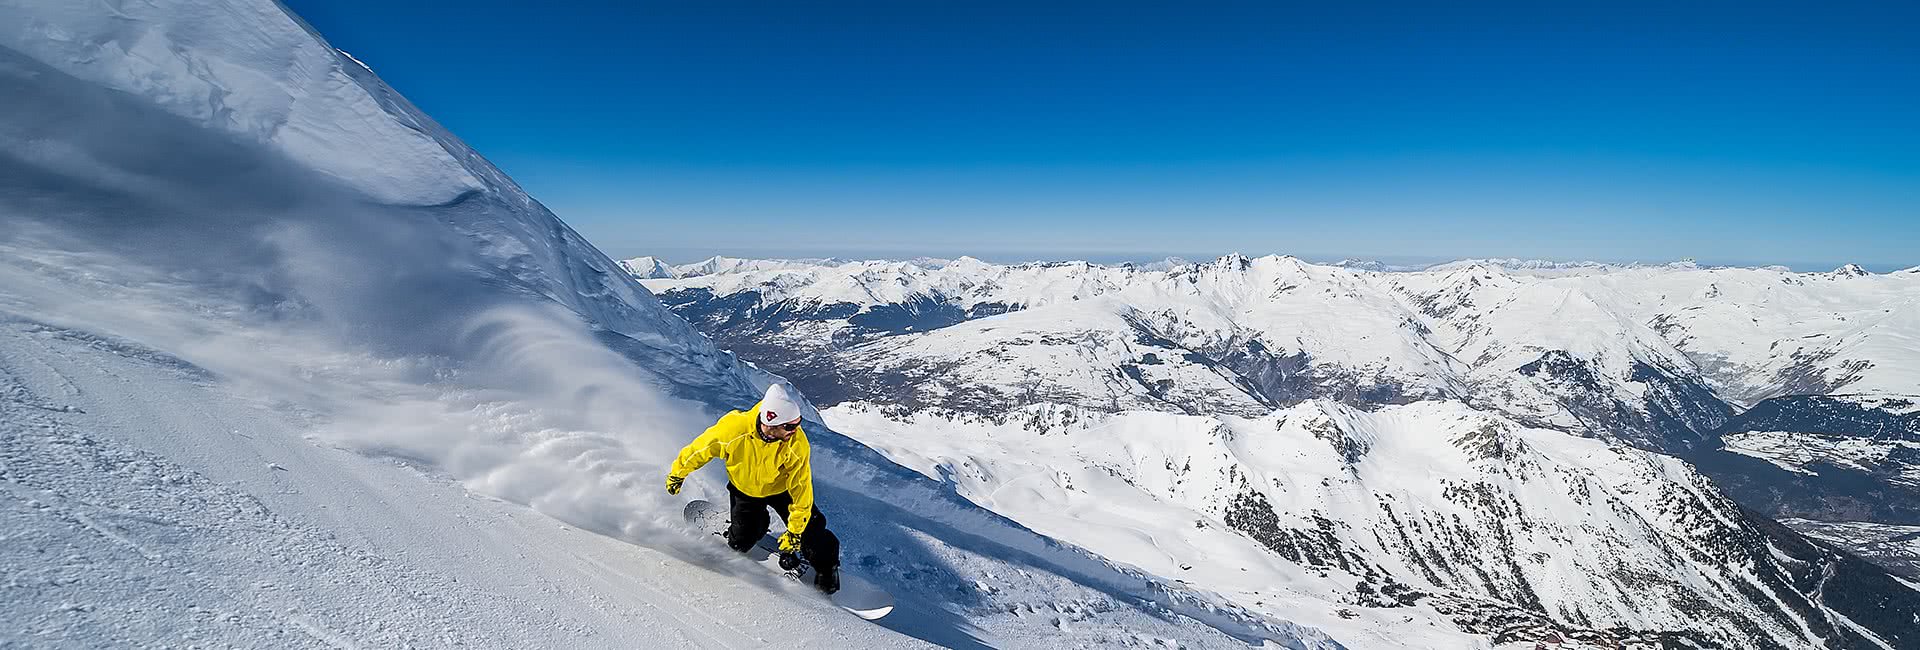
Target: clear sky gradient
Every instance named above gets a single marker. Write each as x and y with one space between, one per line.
1746 132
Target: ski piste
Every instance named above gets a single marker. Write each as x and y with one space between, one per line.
857 596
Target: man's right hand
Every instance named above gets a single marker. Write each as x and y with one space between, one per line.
674 483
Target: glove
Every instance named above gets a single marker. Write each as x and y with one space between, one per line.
789 561
674 482
789 542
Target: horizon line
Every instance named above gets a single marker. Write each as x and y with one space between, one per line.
1406 262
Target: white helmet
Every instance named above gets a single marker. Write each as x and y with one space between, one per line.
778 407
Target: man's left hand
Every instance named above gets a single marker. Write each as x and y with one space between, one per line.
790 542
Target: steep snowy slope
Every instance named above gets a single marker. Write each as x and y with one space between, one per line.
284 364
142 505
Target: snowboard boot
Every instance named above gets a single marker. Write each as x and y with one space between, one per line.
740 549
827 581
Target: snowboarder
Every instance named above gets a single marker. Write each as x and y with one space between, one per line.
768 465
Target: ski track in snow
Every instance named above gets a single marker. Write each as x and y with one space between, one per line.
147 546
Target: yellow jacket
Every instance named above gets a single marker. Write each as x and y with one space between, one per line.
757 467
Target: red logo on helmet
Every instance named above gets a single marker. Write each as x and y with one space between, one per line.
770 416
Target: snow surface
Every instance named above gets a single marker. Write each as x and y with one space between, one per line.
248 69
145 506
285 364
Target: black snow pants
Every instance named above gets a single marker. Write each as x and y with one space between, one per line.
750 523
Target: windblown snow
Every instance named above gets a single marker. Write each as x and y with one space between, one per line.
283 363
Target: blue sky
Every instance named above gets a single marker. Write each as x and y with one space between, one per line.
1727 132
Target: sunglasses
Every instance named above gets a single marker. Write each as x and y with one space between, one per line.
784 427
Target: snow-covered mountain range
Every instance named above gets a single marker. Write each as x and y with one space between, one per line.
285 364
1479 430
1459 330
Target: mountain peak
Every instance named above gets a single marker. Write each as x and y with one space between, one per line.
1850 271
646 268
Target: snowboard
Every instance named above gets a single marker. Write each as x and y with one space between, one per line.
857 596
